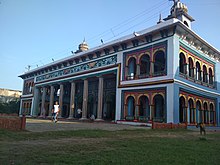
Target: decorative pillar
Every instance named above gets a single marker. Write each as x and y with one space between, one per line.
195 73
151 68
51 99
136 112
137 71
36 102
151 112
187 69
201 73
85 100
100 99
61 99
42 114
72 100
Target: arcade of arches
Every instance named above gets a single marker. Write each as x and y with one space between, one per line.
145 63
195 109
26 106
145 105
195 68
28 87
94 96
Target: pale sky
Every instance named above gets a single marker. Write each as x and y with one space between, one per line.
32 32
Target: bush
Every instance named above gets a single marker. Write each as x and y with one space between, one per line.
10 107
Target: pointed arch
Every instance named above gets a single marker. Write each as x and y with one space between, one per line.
206 112
212 113
205 74
182 110
199 112
131 106
191 111
132 68
144 65
210 76
198 71
159 62
159 107
144 107
182 63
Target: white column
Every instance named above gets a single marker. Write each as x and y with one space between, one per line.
42 114
36 102
61 99
72 100
100 99
51 99
85 100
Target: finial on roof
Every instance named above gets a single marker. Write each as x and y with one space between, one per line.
83 46
160 19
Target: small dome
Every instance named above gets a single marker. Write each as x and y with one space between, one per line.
82 47
178 6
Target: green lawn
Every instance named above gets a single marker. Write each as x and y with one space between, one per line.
128 147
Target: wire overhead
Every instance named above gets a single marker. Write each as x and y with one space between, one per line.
114 31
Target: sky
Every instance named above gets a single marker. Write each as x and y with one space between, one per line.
33 32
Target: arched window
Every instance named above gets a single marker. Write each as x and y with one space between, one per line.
210 76
131 68
205 74
191 111
198 71
182 110
186 23
182 63
159 63
159 107
131 106
199 111
144 108
191 67
206 113
212 114
144 66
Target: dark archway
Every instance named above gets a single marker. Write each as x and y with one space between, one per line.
205 74
131 106
132 68
159 108
191 67
210 76
159 63
144 66
144 108
182 110
191 112
182 63
198 112
198 71
206 112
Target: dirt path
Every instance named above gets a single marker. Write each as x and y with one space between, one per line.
41 125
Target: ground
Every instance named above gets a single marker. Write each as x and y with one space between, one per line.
45 143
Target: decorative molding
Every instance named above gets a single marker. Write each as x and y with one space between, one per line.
79 68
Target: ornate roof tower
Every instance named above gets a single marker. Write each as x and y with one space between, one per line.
82 47
180 11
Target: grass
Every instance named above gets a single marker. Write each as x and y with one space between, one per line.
108 147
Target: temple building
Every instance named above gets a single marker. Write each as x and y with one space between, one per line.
166 73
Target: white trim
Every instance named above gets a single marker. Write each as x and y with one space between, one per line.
203 90
75 77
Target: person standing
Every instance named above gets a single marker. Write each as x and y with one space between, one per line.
55 112
79 111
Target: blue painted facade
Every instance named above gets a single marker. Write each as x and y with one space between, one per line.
167 73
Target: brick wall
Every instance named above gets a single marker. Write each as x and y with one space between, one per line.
156 125
12 122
